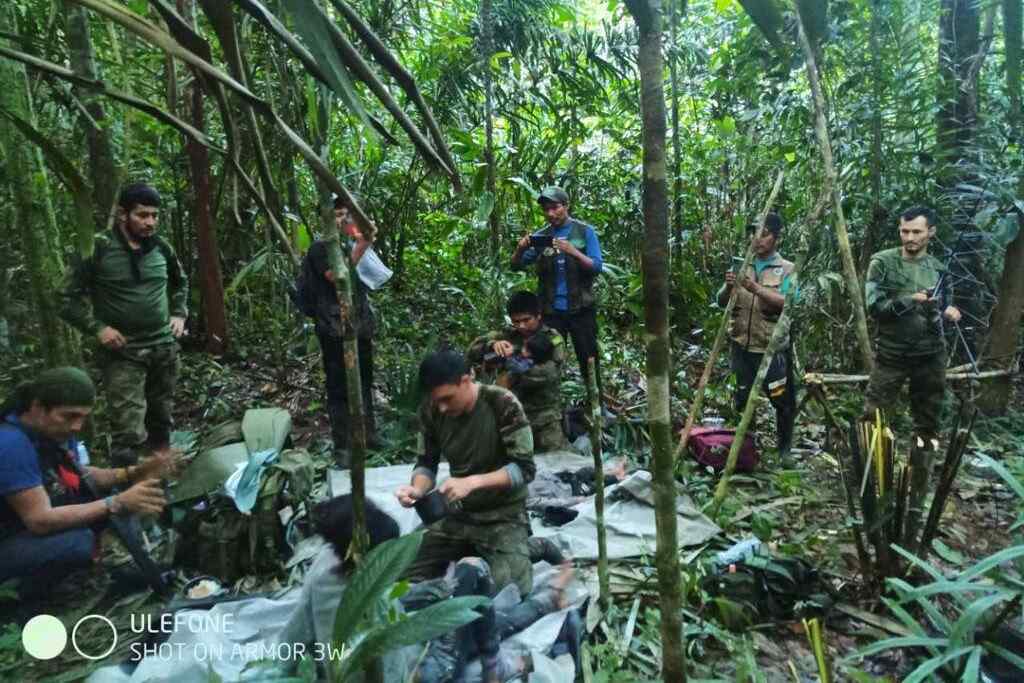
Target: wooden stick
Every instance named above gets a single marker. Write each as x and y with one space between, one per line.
832 378
716 348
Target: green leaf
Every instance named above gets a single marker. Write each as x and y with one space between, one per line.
525 185
925 670
903 641
309 23
1007 231
963 630
721 6
381 568
973 666
947 553
483 210
1000 469
790 157
767 17
249 269
426 624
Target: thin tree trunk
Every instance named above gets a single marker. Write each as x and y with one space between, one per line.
853 288
1005 330
486 52
674 15
596 429
959 26
211 282
878 214
656 272
104 170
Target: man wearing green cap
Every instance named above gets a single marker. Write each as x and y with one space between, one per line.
48 521
566 270
132 295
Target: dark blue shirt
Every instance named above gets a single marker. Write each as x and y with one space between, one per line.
21 469
592 250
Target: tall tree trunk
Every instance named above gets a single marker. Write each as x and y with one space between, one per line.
491 185
40 261
959 27
656 271
853 287
104 170
676 9
211 282
1005 330
878 214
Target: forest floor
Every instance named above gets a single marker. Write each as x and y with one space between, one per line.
797 510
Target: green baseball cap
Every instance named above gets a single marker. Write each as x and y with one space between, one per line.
553 193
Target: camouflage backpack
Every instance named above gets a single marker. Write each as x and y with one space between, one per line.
231 544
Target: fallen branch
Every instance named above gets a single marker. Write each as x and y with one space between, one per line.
833 378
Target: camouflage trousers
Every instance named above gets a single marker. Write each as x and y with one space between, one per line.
140 394
927 375
502 544
548 436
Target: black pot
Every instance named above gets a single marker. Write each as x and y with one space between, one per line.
432 507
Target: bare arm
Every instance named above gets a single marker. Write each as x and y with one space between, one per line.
33 507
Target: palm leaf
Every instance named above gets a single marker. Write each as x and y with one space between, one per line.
381 568
426 624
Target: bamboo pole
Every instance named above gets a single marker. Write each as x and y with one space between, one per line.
716 348
832 180
958 373
341 266
596 429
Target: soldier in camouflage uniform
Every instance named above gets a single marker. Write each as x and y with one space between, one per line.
905 296
132 294
538 385
483 433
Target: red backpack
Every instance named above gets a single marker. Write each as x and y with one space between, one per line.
710 447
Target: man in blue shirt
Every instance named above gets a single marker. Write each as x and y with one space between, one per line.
566 271
48 520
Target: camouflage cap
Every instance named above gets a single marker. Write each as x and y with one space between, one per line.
554 194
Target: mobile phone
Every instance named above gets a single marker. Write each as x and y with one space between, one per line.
541 241
737 263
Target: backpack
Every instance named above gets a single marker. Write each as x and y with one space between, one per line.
710 447
769 588
231 544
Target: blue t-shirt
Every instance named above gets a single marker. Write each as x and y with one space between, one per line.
592 250
21 469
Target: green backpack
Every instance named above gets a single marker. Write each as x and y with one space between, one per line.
763 588
231 544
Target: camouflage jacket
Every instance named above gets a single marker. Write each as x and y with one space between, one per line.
493 435
905 327
539 389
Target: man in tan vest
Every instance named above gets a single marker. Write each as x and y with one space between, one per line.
759 301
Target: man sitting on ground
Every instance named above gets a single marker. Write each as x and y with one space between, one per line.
537 381
48 521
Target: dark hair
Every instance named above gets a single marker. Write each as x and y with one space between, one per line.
136 194
64 386
773 223
523 302
333 519
440 368
541 348
341 203
913 212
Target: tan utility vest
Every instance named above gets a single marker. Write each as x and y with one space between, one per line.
752 320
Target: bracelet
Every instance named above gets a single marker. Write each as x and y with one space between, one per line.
114 506
121 475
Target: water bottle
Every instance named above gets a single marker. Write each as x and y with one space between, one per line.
738 553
